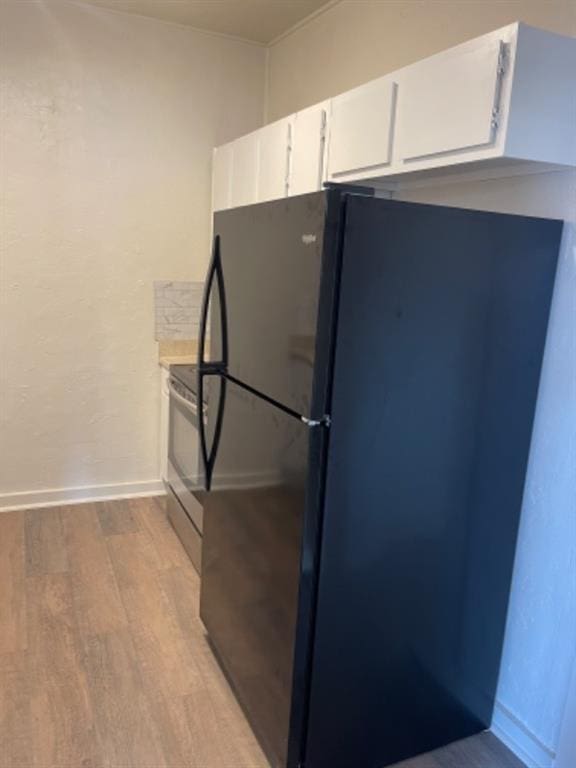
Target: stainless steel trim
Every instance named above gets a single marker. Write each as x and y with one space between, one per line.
187 532
186 497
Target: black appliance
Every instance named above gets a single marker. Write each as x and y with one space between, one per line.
374 367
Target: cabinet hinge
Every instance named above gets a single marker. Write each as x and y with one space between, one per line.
323 146
324 126
288 161
500 72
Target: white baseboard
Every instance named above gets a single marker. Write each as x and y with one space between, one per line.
52 497
520 740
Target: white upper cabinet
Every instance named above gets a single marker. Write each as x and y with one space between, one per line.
541 123
498 105
274 142
361 129
244 178
221 177
308 149
451 103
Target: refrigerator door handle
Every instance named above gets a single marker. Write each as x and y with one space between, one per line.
223 306
204 310
217 430
209 456
214 271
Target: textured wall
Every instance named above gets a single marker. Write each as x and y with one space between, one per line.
357 40
108 122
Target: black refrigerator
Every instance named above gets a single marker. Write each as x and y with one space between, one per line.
372 368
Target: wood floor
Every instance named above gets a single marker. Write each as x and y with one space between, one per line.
103 659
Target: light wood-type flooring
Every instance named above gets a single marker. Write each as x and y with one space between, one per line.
103 660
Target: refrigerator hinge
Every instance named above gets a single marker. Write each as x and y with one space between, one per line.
325 421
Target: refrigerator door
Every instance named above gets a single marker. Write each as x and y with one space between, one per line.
253 522
442 323
278 268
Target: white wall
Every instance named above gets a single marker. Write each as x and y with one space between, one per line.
353 42
107 127
357 40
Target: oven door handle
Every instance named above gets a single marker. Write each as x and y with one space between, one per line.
188 404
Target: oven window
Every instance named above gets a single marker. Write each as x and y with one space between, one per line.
183 446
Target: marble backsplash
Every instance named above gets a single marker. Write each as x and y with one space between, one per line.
177 306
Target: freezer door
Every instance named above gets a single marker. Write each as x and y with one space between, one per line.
445 311
276 261
253 520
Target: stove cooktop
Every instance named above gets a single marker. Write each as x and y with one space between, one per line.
186 375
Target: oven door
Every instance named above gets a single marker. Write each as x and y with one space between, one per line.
184 466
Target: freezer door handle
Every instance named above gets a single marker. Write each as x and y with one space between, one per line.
325 421
215 272
205 306
209 455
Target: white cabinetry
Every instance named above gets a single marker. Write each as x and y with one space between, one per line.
244 176
361 129
235 173
222 176
253 168
308 149
273 148
450 102
542 112
501 104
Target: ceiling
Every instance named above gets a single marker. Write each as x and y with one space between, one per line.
258 20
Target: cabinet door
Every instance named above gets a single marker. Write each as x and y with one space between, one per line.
273 160
221 177
244 182
449 103
308 150
361 129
